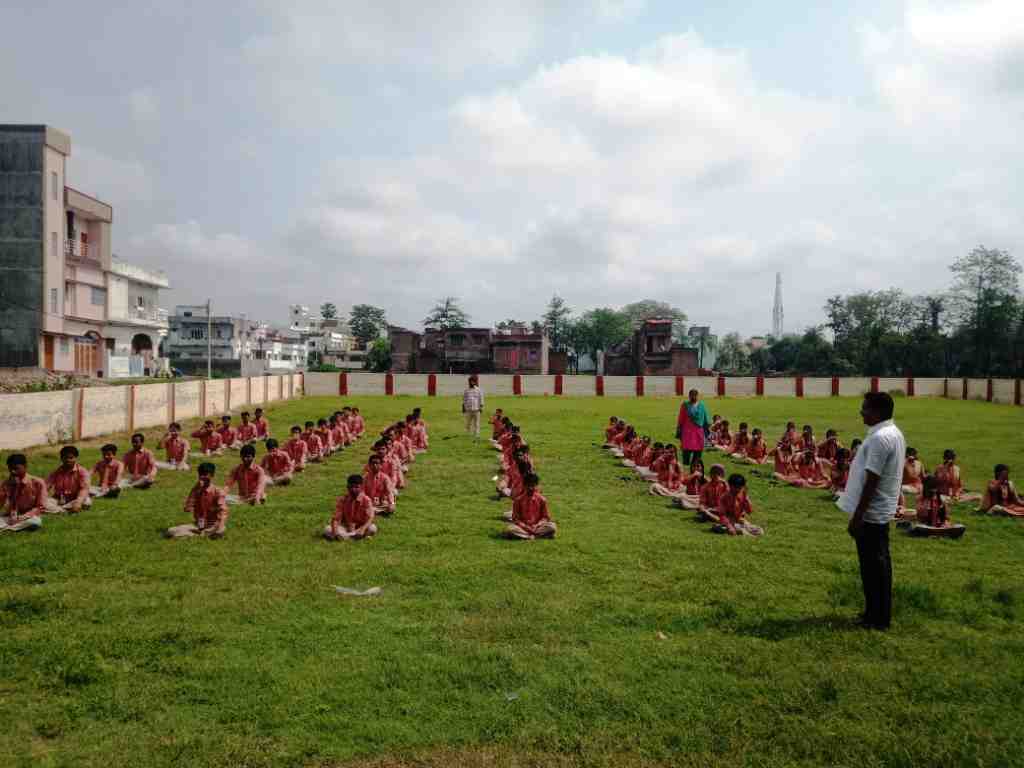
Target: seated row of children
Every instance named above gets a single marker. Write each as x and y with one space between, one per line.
726 504
529 517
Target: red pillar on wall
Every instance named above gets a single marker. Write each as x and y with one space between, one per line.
342 384
963 395
131 408
227 395
432 385
248 390
170 403
599 386
558 383
874 383
680 386
759 386
720 386
910 386
639 386
799 386
988 391
517 385
835 386
80 414
202 402
389 384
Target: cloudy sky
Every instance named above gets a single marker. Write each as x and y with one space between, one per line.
395 151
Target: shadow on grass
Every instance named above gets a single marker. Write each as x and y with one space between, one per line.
787 627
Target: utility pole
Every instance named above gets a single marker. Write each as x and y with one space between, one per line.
209 342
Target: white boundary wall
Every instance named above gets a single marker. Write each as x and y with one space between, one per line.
977 389
932 387
817 387
40 418
776 387
741 386
1002 391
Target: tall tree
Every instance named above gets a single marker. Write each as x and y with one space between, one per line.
378 356
651 309
984 297
733 354
446 314
602 329
556 322
367 323
328 310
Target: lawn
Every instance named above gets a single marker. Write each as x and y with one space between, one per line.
635 638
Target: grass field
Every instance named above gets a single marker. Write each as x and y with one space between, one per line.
635 638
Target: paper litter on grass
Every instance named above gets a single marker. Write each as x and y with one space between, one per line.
371 592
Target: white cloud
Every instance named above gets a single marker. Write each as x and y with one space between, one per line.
144 105
620 10
115 181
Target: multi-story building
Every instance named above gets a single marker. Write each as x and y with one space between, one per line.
468 350
66 302
651 351
231 339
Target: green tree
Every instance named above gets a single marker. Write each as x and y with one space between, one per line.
446 314
367 323
328 310
733 355
984 299
651 309
378 356
599 330
555 322
507 325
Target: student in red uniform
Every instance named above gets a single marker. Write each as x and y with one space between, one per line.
338 427
110 472
530 516
1001 497
228 434
724 441
247 432
210 441
611 430
947 475
176 449
734 510
261 424
139 464
670 474
327 446
249 478
358 423
22 497
497 422
712 492
277 464
807 472
314 445
422 429
643 458
738 448
853 448
782 455
789 435
931 509
353 514
913 472
757 451
68 484
297 449
828 447
840 472
208 506
693 483
806 442
377 485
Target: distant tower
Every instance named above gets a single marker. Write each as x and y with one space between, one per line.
777 314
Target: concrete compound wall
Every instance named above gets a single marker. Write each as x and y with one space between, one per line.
41 418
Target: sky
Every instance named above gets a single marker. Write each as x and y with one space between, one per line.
395 152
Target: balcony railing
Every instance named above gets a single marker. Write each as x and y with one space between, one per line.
155 277
79 251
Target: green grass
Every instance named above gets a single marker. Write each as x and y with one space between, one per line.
122 649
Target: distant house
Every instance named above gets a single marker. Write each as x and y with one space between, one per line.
468 350
651 351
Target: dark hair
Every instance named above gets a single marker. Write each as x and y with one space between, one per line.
109 447
270 443
842 457
880 403
310 424
259 410
530 479
695 462
245 413
737 480
1000 468
856 441
142 436
948 454
207 468
208 421
226 417
295 428
743 425
375 457
911 451
831 433
321 422
717 469
68 450
354 480
693 392
929 485
248 450
16 460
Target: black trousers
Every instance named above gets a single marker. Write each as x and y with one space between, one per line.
875 573
689 457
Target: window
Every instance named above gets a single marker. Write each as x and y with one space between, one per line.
220 333
456 339
54 249
196 333
98 297
187 314
142 302
65 345
53 301
53 184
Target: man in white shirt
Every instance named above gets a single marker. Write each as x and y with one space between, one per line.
472 405
871 497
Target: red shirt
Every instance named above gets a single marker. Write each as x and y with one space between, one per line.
340 435
297 450
278 462
670 475
208 440
734 506
695 483
712 492
23 497
827 450
530 509
353 513
139 463
251 481
314 445
378 487
69 484
810 471
262 427
247 432
207 504
176 448
227 434
947 476
757 450
110 472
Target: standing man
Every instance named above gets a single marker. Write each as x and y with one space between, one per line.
472 405
871 497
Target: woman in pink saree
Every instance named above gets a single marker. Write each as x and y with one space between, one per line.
693 418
